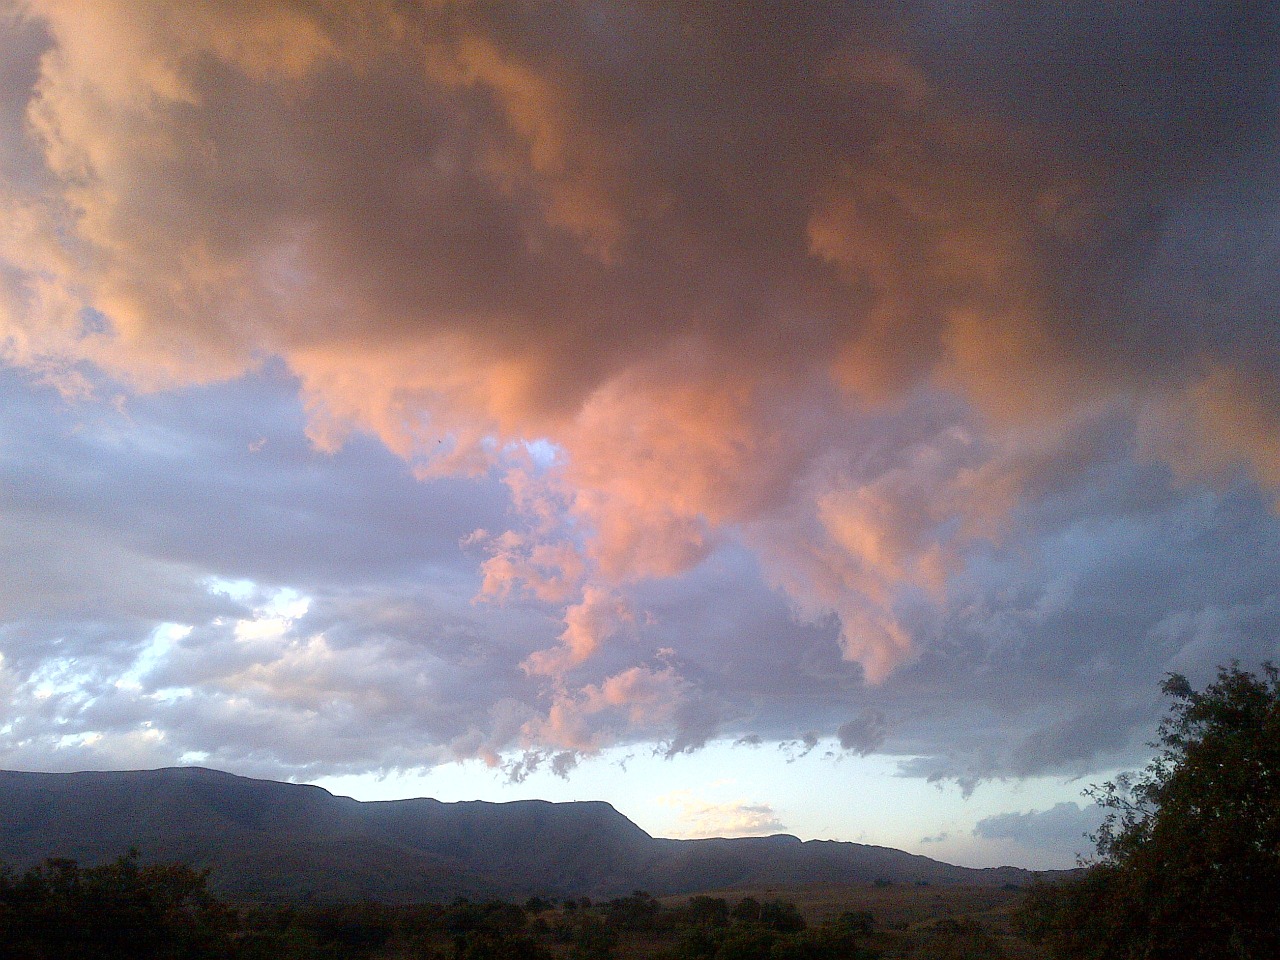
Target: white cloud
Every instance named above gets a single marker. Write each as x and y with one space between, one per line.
732 818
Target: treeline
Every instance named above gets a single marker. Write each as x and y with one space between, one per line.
166 912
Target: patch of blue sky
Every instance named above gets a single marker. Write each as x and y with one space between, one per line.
60 676
94 323
241 590
163 639
544 453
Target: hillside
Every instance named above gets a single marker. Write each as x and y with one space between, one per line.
263 840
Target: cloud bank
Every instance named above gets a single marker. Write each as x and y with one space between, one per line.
915 368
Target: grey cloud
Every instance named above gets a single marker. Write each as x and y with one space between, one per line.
282 706
1045 656
1112 576
25 41
1064 827
1075 743
1058 64
56 571
697 721
119 523
172 477
863 734
563 763
390 666
800 748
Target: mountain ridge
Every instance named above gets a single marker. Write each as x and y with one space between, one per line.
263 840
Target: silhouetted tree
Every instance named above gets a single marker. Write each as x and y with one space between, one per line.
746 942
845 936
1189 855
636 912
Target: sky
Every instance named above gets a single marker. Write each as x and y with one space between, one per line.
829 418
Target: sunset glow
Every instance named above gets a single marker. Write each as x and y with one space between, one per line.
690 405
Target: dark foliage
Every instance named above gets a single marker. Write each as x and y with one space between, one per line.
1189 856
122 910
707 911
636 912
165 912
594 939
773 930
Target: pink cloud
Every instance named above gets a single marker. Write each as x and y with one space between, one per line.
466 233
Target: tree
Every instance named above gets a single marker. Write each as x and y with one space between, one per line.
1189 854
782 916
746 910
117 910
707 911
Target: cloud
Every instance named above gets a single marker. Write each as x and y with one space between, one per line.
1064 826
462 233
1118 577
800 748
736 818
640 702
256 694
587 625
863 734
920 363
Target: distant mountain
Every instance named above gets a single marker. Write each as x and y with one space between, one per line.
263 840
